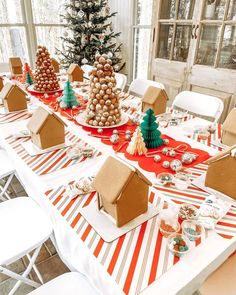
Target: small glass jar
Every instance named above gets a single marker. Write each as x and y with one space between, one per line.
182 180
168 221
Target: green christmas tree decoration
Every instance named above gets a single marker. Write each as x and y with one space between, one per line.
89 32
150 132
29 79
68 100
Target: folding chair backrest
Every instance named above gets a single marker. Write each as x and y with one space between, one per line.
121 81
199 104
139 86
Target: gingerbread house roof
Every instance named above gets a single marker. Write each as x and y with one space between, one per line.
229 124
15 61
73 68
113 177
152 93
8 88
231 151
39 119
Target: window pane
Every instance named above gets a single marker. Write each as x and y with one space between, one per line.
208 45
141 52
10 11
232 10
144 12
214 9
165 40
228 50
48 11
182 41
168 9
50 37
13 43
186 8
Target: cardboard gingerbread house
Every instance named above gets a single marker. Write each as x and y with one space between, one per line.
229 129
221 174
46 128
15 64
13 97
122 191
156 99
75 73
1 83
56 65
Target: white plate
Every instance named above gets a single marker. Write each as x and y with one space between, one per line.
81 120
33 150
106 228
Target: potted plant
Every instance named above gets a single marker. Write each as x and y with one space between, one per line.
210 9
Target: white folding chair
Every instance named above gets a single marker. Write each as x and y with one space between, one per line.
139 86
24 228
70 283
199 104
7 173
121 81
86 69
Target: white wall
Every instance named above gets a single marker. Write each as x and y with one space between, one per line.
123 22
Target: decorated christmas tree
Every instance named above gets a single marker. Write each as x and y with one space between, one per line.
150 132
89 29
27 69
45 77
137 145
103 105
68 100
29 79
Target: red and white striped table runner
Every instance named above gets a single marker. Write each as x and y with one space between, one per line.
15 116
48 162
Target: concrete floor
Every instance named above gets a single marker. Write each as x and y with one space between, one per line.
48 261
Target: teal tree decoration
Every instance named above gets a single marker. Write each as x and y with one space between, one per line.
68 100
28 79
150 132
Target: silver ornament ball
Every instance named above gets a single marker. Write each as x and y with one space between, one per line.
175 165
166 141
166 164
157 158
100 130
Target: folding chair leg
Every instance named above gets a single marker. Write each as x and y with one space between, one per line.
23 278
36 270
3 192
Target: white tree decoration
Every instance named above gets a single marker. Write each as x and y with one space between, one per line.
137 145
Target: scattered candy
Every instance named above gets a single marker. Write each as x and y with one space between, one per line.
187 211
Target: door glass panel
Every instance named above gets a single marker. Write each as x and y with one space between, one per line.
208 44
186 8
50 37
144 12
232 10
228 50
10 11
165 40
13 43
182 41
168 9
214 9
141 52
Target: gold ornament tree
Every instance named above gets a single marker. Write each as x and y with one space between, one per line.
103 106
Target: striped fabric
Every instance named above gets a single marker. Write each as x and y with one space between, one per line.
15 116
48 162
138 258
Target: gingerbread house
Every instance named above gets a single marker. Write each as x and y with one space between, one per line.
13 97
122 191
56 65
75 73
229 129
221 174
1 83
15 64
46 128
156 99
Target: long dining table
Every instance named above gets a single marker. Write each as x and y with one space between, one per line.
139 261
